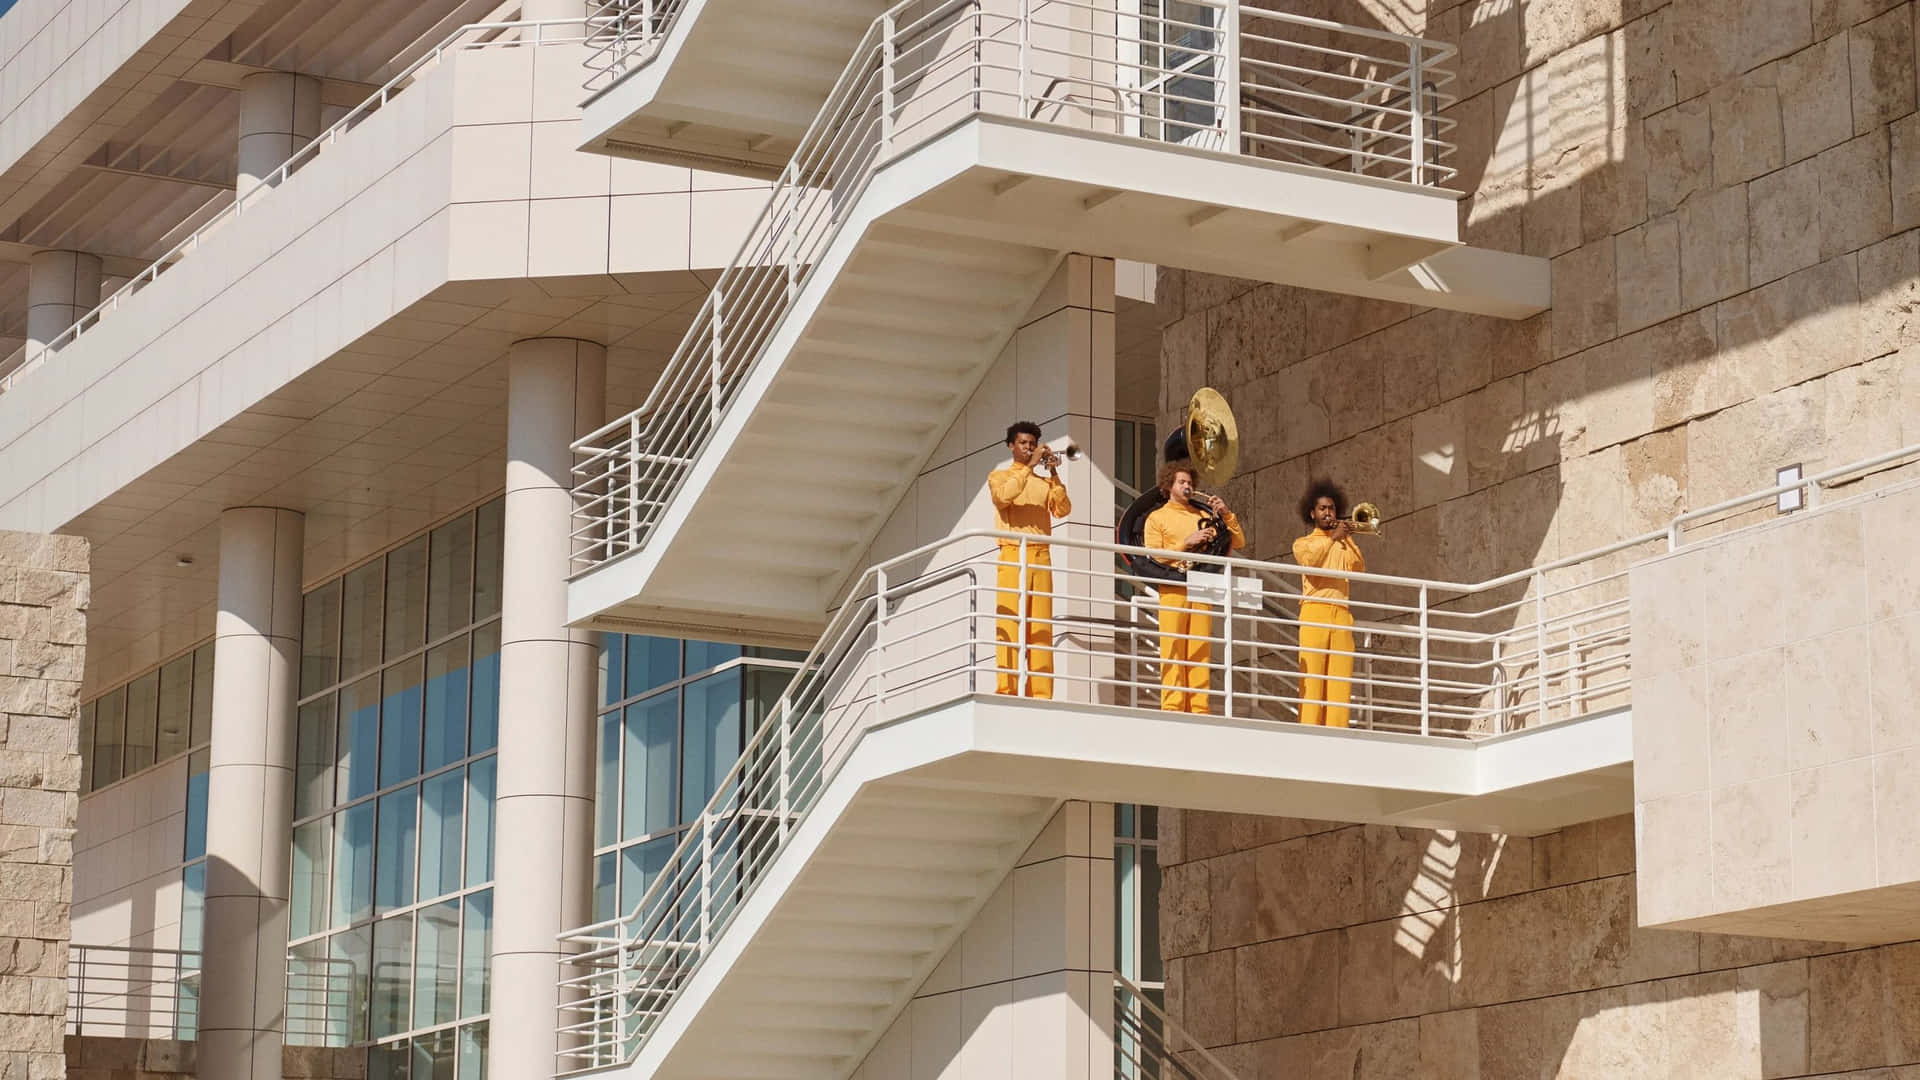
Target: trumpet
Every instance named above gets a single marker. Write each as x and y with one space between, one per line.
1070 452
1366 519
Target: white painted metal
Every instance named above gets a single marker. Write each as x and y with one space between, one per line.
120 991
482 35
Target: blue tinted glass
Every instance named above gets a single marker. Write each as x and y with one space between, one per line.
311 844
604 893
653 730
613 656
445 740
436 965
392 960
193 910
196 806
400 722
473 1051
486 689
440 832
480 779
639 865
353 866
606 782
651 662
476 945
702 655
713 739
359 738
393 864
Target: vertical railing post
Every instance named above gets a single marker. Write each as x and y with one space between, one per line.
979 45
1416 105
1426 683
1813 488
1230 78
1499 689
1540 644
706 881
880 643
80 991
886 82
1226 645
715 362
785 784
1026 55
1025 600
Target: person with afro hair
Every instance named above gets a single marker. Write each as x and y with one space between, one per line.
1326 623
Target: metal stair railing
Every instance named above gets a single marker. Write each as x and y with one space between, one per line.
1148 1045
924 67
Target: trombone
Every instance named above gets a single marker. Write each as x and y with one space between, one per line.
1366 519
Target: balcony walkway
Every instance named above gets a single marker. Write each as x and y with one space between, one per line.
963 152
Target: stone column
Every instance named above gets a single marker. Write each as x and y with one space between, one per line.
556 390
256 657
61 287
43 629
279 114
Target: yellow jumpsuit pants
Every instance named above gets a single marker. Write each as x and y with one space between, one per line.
1184 676
1324 674
1039 613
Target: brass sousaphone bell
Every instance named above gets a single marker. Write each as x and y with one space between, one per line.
1211 440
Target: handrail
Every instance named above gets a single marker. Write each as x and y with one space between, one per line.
1556 651
131 991
923 67
1149 1045
20 361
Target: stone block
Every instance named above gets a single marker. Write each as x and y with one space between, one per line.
1584 297
1713 246
1490 46
1896 794
1439 446
1856 204
1747 136
1752 838
1450 1045
1647 267
1787 332
1495 418
1904 170
1880 53
1681 352
1816 106
45 809
1656 467
1829 718
1889 274
1894 709
47 660
1280 987
1649 74
1565 856
1833 16
1551 27
1208 997
1186 909
1832 804
50 588
1786 220
1254 334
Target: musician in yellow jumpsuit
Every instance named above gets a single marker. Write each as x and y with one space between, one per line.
1326 623
1186 628
1026 502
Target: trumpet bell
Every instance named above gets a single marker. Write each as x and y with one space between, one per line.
1366 519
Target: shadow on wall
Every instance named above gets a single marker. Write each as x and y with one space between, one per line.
1720 188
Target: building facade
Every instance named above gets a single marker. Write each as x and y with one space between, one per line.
539 464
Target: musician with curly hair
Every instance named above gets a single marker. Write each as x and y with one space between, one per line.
1326 623
1025 501
1186 523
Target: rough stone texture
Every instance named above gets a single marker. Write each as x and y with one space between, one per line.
43 584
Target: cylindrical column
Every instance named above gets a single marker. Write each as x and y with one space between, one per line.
279 114
256 661
556 391
61 287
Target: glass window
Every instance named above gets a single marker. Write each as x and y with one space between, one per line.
486 689
445 737
713 740
406 598
176 708
320 639
613 657
476 945
353 865
313 779
436 966
480 781
606 778
473 1052
351 976
203 694
433 1054
400 721
440 833
196 824
312 844
640 864
392 975
606 896
143 706
450 579
361 592
651 662
489 532
653 734
86 745
395 848
389 1062
193 908
702 655
359 723
109 737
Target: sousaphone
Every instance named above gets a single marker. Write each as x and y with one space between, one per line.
1211 440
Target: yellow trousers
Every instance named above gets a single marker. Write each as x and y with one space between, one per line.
1184 677
1324 674
1039 612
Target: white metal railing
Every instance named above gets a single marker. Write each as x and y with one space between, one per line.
1148 1045
132 992
473 36
1251 83
635 29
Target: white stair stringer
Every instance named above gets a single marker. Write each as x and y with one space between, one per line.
731 85
868 894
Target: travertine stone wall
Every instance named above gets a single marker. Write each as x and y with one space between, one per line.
1777 728
92 1057
1319 950
43 604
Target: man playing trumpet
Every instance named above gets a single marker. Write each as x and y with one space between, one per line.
1026 502
1326 623
1186 646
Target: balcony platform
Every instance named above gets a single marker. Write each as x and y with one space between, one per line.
730 86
